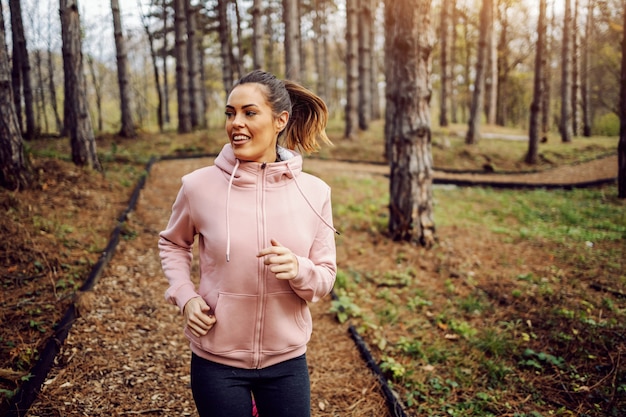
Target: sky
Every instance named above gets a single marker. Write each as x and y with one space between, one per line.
42 26
102 8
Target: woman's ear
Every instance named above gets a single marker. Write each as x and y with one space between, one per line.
281 121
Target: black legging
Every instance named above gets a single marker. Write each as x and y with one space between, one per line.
281 390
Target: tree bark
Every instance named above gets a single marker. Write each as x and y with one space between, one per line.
21 71
375 101
77 116
270 51
318 44
621 147
566 77
467 67
486 21
585 82
408 46
155 71
539 82
575 70
491 78
292 40
453 58
302 53
445 68
547 88
365 21
15 172
97 87
127 129
502 114
258 35
182 74
42 117
224 30
197 110
165 55
53 94
352 68
240 49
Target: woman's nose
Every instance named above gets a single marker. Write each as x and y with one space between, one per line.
237 120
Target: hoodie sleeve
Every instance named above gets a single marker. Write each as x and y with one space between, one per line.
317 272
175 249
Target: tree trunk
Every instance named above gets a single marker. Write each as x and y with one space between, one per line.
128 128
272 40
224 30
621 147
318 42
240 50
364 61
302 50
539 82
42 117
547 88
258 35
352 67
292 40
408 47
15 172
486 21
566 77
155 70
491 90
165 55
454 107
53 94
445 68
585 89
374 64
77 113
21 68
503 65
182 74
197 110
575 70
97 86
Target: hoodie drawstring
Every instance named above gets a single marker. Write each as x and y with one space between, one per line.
295 179
230 185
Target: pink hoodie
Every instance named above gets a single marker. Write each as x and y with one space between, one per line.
235 208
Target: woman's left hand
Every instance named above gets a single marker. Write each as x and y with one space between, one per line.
282 261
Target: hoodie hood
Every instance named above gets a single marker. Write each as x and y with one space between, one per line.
244 174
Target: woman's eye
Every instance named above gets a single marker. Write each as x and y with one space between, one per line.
250 113
228 114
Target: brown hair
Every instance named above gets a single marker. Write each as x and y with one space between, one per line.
308 114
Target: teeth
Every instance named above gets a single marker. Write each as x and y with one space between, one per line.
240 137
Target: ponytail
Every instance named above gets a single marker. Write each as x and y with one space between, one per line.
306 129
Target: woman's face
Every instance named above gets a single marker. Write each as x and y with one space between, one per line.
251 125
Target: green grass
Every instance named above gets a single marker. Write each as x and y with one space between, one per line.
449 346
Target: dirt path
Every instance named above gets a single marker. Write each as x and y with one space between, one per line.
126 354
596 170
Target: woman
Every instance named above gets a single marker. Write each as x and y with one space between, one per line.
266 248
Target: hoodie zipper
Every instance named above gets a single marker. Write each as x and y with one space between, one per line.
261 235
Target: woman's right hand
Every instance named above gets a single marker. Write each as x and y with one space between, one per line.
198 316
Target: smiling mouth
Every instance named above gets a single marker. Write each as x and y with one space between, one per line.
240 138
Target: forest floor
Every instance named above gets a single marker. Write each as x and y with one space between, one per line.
126 354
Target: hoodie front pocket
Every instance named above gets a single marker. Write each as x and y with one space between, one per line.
233 331
287 323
